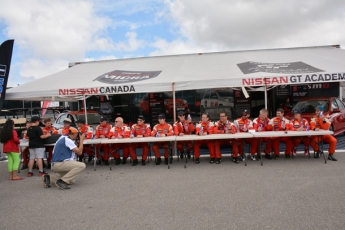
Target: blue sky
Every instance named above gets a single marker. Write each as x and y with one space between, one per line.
50 34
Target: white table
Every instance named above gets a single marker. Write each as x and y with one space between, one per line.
214 137
138 140
290 133
94 142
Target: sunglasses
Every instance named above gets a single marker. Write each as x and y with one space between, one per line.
117 121
140 120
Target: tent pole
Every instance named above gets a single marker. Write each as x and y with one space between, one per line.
174 105
85 108
265 96
174 114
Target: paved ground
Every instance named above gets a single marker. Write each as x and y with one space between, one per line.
283 194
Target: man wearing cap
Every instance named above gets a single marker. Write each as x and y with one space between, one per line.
280 123
320 121
244 124
88 132
260 125
162 130
300 124
140 130
102 131
220 127
182 127
205 127
66 125
48 128
36 146
63 161
119 131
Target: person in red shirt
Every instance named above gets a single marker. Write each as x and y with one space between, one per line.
26 152
162 130
225 126
260 125
205 127
66 125
300 124
182 127
140 130
9 139
88 132
102 131
244 124
48 128
280 123
120 131
320 121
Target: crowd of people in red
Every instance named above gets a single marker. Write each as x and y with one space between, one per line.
185 126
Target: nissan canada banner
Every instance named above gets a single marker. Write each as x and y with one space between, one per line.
5 63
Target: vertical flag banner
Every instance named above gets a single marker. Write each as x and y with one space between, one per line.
45 106
5 63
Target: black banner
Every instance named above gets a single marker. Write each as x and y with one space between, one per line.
5 63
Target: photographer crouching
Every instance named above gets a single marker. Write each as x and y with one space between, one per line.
63 161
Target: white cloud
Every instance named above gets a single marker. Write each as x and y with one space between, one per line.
34 68
50 34
50 29
108 57
131 45
251 24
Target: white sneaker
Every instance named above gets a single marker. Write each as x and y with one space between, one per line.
253 157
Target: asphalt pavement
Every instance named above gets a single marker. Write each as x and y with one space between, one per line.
301 193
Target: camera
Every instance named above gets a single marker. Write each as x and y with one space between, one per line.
79 134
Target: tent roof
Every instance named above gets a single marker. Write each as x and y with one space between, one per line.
191 71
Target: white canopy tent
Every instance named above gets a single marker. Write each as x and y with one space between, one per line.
185 72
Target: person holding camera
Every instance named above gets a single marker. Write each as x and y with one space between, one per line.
64 162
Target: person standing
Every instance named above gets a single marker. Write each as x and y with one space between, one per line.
287 107
36 146
140 130
183 127
205 127
9 139
162 130
64 162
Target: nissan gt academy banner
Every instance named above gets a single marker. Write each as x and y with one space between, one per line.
297 73
5 63
294 79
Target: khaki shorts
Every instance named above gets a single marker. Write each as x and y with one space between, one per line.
37 153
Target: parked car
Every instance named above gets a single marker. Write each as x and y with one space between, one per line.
93 118
217 98
215 111
333 107
181 105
